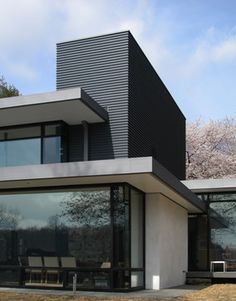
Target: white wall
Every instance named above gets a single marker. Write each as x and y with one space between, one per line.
166 242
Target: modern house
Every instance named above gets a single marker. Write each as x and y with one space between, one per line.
90 175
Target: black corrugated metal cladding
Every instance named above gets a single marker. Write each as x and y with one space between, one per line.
156 124
144 120
100 66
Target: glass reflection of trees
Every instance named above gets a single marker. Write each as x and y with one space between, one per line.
223 235
89 215
92 224
69 223
9 219
121 240
87 207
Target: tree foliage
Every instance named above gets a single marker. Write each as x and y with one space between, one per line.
211 149
7 90
88 208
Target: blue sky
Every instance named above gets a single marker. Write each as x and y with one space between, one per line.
191 44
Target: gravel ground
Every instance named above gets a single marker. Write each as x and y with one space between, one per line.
217 292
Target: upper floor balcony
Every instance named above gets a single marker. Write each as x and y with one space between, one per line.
34 128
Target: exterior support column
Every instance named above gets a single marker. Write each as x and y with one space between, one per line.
85 130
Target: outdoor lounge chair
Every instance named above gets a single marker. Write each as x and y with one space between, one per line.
68 262
106 265
51 266
35 268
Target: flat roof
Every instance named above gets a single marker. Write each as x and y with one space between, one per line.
211 185
144 173
70 105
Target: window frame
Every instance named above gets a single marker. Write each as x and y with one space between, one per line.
42 135
112 270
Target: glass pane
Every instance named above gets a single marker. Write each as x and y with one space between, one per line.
121 279
52 150
22 132
90 211
136 204
3 153
10 277
20 152
222 197
75 224
223 233
92 280
137 279
217 197
53 130
121 228
197 243
2 135
101 280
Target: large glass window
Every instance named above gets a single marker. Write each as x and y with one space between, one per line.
32 145
223 232
198 242
213 237
97 228
136 229
121 226
58 223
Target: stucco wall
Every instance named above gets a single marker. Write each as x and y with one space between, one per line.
166 242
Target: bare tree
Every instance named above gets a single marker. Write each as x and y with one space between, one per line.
211 149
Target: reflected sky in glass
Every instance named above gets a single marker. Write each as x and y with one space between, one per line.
38 209
52 150
226 235
20 152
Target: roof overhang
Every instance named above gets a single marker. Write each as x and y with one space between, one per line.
211 185
70 105
144 173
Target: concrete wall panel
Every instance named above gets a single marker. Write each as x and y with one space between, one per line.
166 242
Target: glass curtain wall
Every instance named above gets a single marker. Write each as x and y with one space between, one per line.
99 228
223 229
213 237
